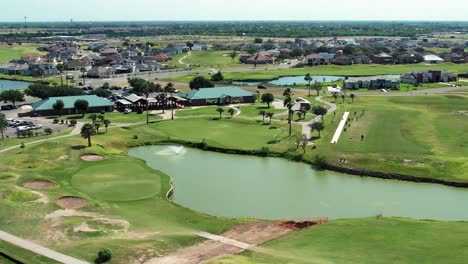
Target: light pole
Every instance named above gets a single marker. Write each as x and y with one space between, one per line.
172 106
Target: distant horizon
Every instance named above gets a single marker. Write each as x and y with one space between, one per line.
244 20
239 10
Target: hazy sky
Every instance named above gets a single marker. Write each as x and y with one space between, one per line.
113 10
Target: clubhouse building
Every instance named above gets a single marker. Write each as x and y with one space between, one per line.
95 105
218 96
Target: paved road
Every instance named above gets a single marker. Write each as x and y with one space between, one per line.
40 250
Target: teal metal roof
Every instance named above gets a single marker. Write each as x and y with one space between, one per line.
69 102
218 92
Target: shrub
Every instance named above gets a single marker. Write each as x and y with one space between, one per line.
22 145
48 131
104 255
320 161
135 137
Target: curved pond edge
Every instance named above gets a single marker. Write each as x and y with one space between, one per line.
284 76
267 153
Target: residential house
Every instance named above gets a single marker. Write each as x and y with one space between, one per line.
77 65
343 60
218 96
162 57
108 51
261 57
383 58
100 72
321 58
431 76
372 82
432 59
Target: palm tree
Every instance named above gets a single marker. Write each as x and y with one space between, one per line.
83 70
304 143
58 106
87 131
335 95
299 115
220 110
231 111
352 97
317 126
61 69
319 111
270 115
162 99
40 72
308 78
258 96
343 97
289 103
106 122
318 87
262 113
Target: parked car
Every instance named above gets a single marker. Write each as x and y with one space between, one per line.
23 128
261 87
7 107
127 111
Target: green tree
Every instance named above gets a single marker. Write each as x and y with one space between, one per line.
44 91
81 106
220 110
200 82
262 113
3 124
267 98
233 54
270 115
61 69
48 130
289 103
317 87
12 96
162 100
87 131
308 79
231 111
335 95
40 72
144 88
343 97
217 77
258 40
317 126
58 106
352 97
319 111
304 142
189 45
104 255
101 92
106 123
83 75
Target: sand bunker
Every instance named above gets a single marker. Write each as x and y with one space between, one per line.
92 157
39 184
70 202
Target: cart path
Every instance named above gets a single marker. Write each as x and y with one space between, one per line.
306 126
40 250
236 240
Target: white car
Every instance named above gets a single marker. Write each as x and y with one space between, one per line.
22 128
127 111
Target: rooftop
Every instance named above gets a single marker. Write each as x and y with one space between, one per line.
219 92
69 102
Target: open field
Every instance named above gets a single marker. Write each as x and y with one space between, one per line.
212 59
376 241
246 111
8 53
354 70
418 136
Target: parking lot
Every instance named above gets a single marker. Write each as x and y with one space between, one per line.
35 124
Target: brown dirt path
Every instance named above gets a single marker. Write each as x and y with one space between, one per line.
253 233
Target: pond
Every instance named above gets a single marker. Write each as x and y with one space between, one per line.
274 188
12 85
291 80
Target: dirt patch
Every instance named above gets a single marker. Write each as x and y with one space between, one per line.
70 202
92 157
63 157
39 184
253 233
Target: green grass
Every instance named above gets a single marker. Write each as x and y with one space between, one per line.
354 70
13 141
114 117
418 136
22 255
212 59
8 53
117 181
376 241
202 111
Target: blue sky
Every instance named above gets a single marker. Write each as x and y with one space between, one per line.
112 10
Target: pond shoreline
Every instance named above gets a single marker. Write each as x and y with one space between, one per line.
325 166
285 76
